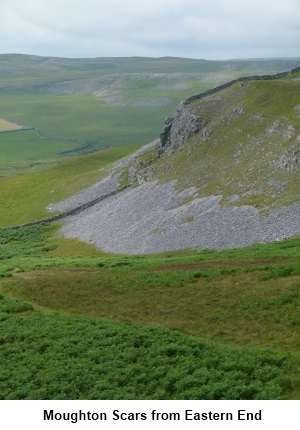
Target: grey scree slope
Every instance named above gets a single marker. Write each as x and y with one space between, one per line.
153 218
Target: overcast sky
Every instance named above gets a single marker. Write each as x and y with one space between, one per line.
209 29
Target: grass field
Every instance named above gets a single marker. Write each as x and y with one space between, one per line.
69 126
236 303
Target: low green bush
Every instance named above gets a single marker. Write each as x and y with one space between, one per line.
61 357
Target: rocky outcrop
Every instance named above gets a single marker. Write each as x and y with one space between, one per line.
290 160
165 133
185 123
182 126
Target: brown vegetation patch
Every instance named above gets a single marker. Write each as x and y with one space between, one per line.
220 264
245 308
43 274
8 126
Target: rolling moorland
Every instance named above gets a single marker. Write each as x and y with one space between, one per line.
80 321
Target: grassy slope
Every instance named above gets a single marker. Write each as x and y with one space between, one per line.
250 155
239 298
26 196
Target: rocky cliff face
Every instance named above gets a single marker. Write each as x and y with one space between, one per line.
185 123
179 128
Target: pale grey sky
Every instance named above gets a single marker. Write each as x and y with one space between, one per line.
209 29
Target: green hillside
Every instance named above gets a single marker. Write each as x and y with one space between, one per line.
245 148
80 323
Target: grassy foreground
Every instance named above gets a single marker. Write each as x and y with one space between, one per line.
231 321
60 357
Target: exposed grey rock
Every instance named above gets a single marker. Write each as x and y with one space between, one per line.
103 187
239 110
258 117
278 185
274 127
290 159
234 199
183 125
212 98
254 192
164 135
297 109
206 133
289 132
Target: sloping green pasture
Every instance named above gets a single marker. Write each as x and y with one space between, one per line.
241 308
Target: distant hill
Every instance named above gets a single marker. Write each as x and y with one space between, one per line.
86 75
226 173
